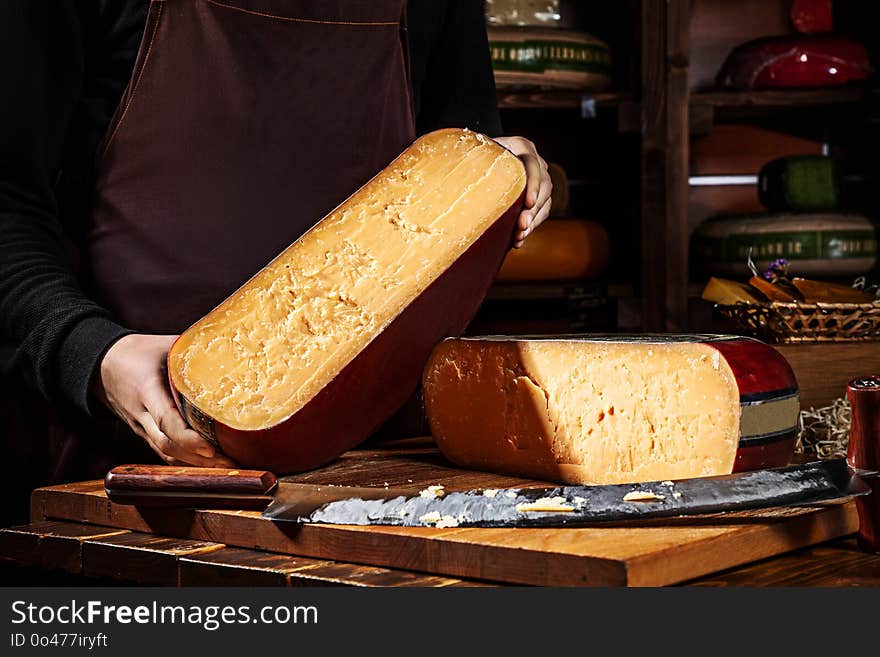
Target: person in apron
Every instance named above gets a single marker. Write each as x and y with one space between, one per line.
243 122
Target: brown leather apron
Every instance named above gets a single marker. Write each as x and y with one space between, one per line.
244 123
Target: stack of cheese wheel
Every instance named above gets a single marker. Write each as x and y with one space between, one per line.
560 249
816 244
548 59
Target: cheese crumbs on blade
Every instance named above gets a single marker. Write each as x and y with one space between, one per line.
545 504
432 492
643 496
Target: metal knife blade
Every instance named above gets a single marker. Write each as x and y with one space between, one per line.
801 485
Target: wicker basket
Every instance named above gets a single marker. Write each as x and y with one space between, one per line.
782 322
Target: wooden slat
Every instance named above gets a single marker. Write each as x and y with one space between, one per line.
146 559
652 120
664 163
141 558
781 98
51 544
837 564
677 140
557 99
823 370
346 574
240 567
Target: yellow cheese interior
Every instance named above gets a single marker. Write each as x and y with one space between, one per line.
271 346
728 293
584 412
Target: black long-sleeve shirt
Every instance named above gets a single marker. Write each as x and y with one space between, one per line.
65 66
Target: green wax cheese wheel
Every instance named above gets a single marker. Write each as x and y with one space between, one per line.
801 182
549 59
816 244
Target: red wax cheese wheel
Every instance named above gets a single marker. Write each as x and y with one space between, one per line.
594 409
559 250
328 340
798 61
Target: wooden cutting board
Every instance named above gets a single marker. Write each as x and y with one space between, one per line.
663 552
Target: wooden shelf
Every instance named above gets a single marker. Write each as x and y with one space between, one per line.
560 290
560 99
779 98
707 107
677 44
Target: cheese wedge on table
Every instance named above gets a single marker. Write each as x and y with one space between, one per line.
327 341
728 293
611 409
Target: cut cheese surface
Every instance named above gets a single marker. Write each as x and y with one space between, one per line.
728 293
269 348
588 411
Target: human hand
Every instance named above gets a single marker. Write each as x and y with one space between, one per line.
538 187
132 383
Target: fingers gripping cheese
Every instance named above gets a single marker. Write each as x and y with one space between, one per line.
328 340
612 409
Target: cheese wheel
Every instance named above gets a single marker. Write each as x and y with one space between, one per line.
535 13
549 59
817 244
560 194
611 409
786 61
327 341
559 250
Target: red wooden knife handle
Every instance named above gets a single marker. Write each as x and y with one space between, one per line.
864 454
166 485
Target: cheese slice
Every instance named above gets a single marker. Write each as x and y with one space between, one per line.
268 350
728 293
610 409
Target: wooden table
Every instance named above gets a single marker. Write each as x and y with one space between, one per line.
52 552
106 554
76 530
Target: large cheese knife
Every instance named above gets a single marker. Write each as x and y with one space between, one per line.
820 482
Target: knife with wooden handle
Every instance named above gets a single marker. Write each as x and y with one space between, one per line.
192 487
223 488
809 484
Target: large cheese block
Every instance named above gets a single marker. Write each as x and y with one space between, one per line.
816 244
329 339
549 59
611 409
